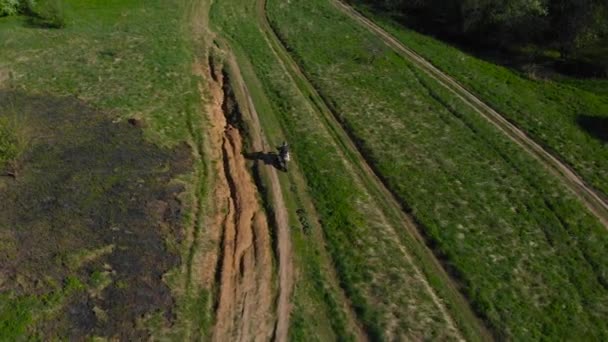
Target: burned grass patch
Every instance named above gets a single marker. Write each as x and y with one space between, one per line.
90 200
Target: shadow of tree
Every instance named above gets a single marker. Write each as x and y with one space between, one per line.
595 125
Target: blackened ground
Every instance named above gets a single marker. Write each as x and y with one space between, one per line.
84 183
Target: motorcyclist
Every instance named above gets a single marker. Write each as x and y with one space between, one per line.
284 151
283 156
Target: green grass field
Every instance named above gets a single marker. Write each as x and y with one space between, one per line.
530 257
559 114
19 312
119 56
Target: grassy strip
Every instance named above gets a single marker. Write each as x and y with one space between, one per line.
317 313
558 114
530 256
372 270
110 56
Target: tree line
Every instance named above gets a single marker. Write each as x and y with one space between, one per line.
566 25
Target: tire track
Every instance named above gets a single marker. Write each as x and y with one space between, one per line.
591 198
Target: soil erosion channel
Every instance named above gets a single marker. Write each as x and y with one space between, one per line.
244 271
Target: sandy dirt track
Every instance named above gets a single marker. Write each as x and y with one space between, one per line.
286 273
250 305
244 308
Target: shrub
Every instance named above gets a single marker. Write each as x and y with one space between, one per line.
9 7
47 13
43 13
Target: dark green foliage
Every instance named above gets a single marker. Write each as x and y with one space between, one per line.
577 24
568 25
41 13
10 7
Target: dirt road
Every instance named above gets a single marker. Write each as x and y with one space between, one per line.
244 263
247 307
590 197
286 274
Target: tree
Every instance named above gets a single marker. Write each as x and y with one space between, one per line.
569 25
578 23
9 7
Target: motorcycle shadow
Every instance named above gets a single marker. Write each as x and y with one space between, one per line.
268 158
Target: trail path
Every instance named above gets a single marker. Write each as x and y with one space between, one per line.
593 200
286 273
244 264
244 309
244 303
259 144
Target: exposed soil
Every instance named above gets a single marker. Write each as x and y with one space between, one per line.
244 264
86 183
281 219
